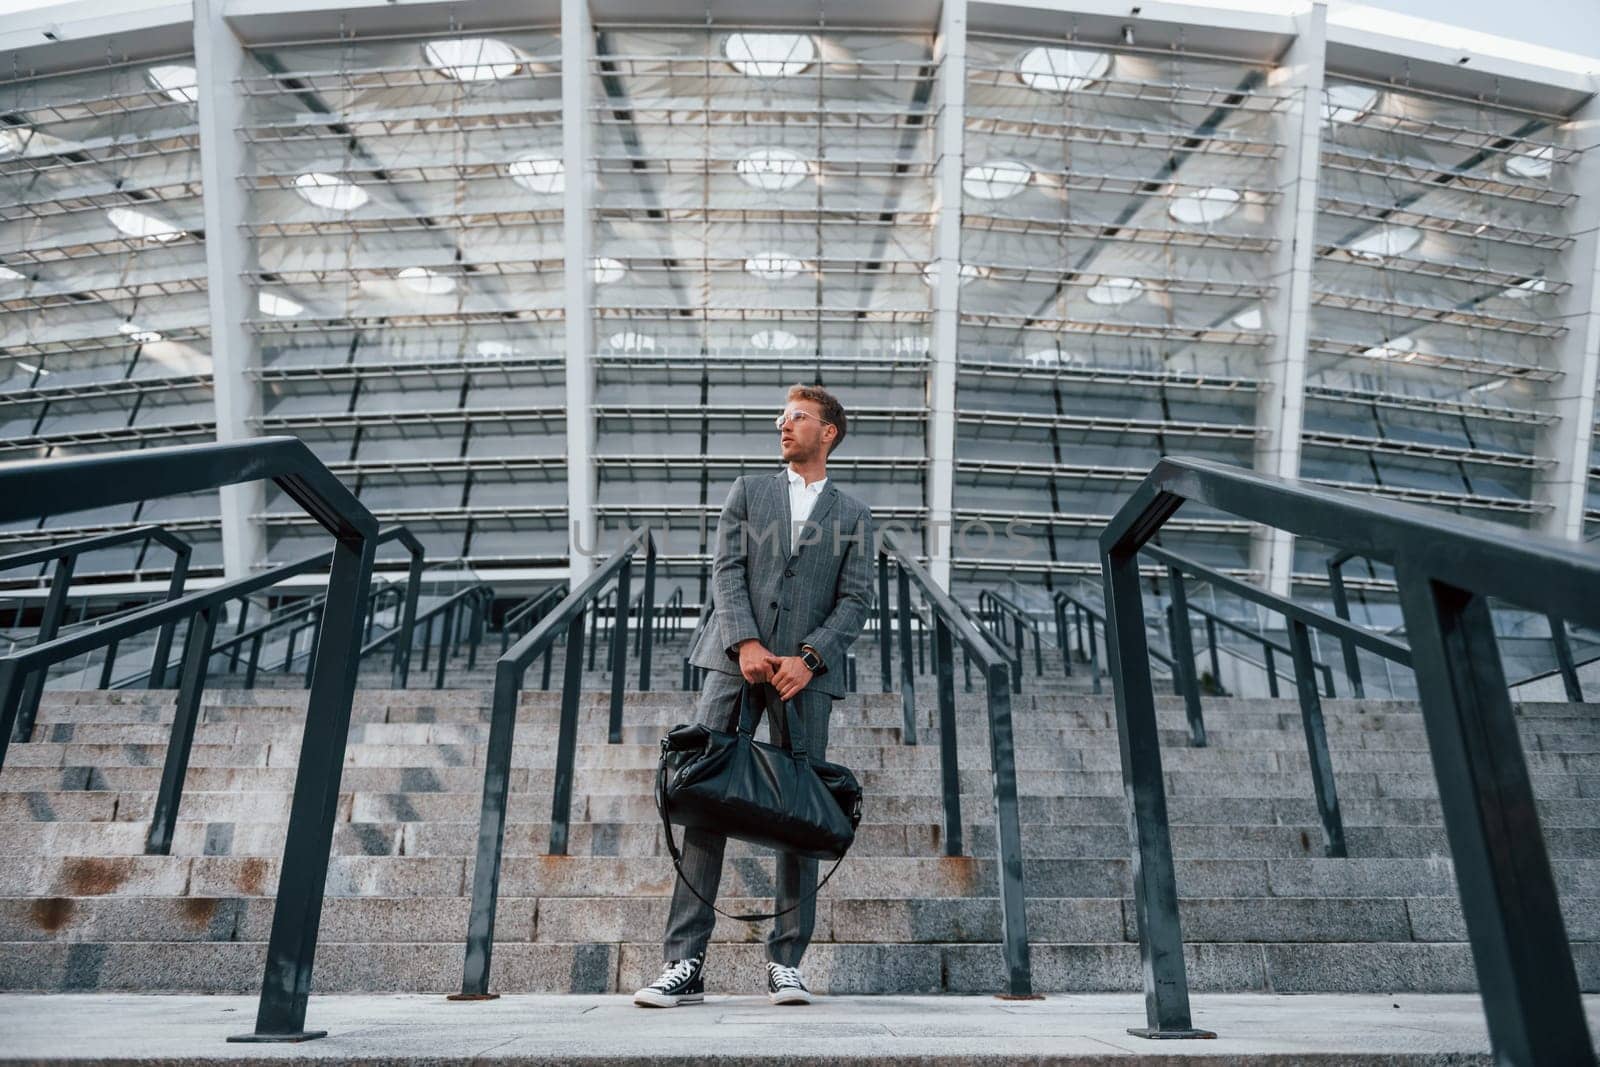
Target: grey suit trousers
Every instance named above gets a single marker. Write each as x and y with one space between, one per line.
690 921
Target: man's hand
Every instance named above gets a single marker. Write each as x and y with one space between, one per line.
755 661
789 675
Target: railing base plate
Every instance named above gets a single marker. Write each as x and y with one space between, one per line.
1019 996
1152 1034
473 996
276 1039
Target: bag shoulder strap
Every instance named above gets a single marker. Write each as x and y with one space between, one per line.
677 859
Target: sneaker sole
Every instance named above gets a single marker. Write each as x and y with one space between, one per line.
649 998
791 997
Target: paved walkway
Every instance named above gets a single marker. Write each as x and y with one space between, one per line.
598 1031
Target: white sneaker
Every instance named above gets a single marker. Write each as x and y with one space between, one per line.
681 982
785 986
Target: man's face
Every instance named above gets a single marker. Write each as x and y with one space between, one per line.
804 436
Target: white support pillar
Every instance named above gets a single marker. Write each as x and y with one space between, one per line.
219 61
1280 404
1571 398
577 49
950 123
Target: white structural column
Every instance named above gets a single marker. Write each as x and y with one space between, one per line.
1280 404
949 131
219 61
1567 442
577 49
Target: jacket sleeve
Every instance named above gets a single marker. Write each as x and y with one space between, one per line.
730 574
852 599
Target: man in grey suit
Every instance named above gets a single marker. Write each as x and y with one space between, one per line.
792 582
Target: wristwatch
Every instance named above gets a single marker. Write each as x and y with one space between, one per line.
810 658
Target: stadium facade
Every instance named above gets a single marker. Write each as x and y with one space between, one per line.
522 272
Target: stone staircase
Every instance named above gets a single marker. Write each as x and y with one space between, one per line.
81 908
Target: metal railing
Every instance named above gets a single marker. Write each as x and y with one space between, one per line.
951 625
566 618
29 490
996 609
65 557
1446 569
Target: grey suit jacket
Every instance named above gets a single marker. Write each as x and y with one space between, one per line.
817 592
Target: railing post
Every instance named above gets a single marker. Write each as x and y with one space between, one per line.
303 875
883 622
400 664
191 686
1563 647
1508 893
1064 637
1008 828
1155 889
180 574
1094 658
238 628
491 833
619 651
647 604
567 738
1341 608
107 665
1211 645
255 662
594 626
1272 669
1183 656
55 609
908 686
480 608
949 772
447 619
1305 680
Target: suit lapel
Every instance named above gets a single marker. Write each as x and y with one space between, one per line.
781 485
819 512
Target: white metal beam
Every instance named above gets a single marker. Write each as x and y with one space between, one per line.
1571 397
219 62
950 122
577 48
1280 400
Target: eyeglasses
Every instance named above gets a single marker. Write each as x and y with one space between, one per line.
799 418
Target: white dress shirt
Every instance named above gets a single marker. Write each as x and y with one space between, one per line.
802 498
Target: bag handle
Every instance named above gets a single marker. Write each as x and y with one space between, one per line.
794 724
677 858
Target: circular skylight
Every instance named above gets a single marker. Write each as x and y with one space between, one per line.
1061 70
998 179
330 191
1385 241
138 334
280 307
774 340
428 282
772 169
1400 346
1113 291
1535 164
1347 103
969 272
774 266
1205 206
1248 319
176 80
629 341
608 270
472 59
541 173
138 224
770 55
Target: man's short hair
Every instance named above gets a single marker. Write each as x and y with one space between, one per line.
832 410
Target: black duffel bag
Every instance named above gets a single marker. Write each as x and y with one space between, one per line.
767 795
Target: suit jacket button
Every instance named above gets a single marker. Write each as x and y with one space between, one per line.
774 603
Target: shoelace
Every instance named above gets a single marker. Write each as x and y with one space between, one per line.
786 976
677 972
